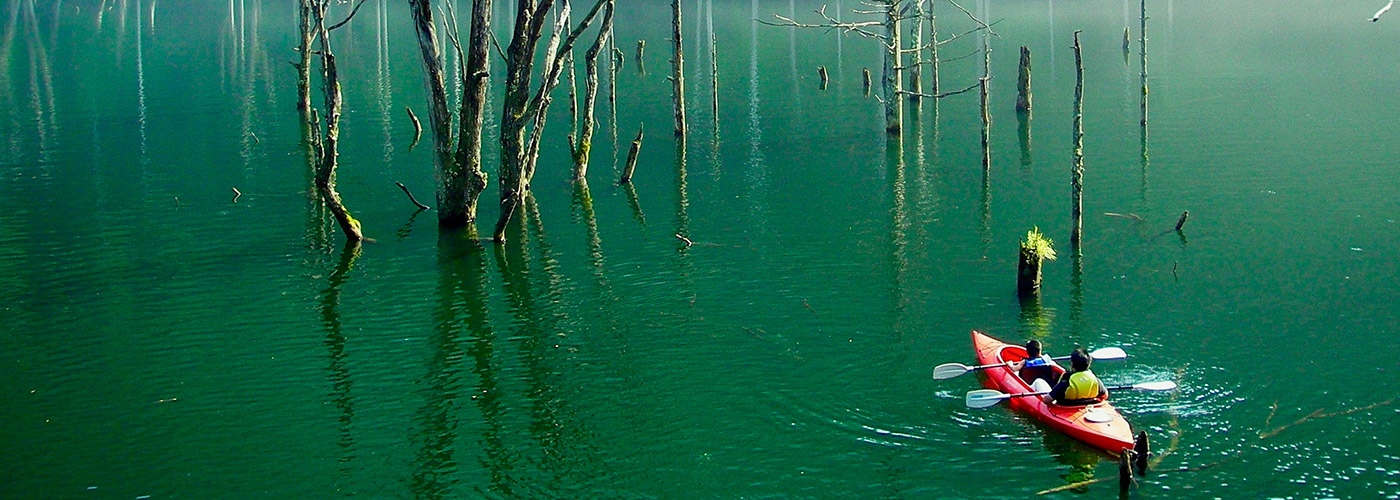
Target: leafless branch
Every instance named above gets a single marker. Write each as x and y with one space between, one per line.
497 44
452 34
971 31
830 23
965 56
974 18
945 94
347 18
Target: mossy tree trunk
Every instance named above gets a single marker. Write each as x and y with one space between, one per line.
1028 273
460 179
916 68
476 82
891 80
1023 82
329 144
522 115
590 93
304 66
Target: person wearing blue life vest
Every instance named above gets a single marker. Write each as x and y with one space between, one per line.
1035 366
1079 386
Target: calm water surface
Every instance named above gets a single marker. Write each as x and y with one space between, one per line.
159 338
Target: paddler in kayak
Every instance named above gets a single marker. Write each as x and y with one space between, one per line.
1079 386
1035 366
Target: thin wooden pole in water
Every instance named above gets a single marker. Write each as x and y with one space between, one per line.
933 49
677 68
714 77
986 114
916 68
1077 171
1142 48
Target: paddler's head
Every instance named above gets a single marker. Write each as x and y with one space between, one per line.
1078 360
1033 349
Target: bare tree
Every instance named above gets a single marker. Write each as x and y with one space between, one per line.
326 147
892 13
523 114
460 178
304 67
584 142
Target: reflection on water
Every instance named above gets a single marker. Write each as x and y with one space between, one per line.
338 369
575 361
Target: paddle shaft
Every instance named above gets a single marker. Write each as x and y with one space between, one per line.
1042 393
1008 363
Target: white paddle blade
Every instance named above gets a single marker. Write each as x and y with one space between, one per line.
985 398
949 370
1109 354
1165 385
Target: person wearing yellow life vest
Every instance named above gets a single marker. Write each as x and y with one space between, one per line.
1078 386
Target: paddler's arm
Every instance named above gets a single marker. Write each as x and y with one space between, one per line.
1057 393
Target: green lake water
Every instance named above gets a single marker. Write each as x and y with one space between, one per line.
160 338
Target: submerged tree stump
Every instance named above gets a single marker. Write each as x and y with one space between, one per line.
1023 82
1035 250
632 157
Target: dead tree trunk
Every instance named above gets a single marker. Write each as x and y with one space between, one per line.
894 111
632 153
520 62
933 49
326 162
1077 172
450 193
677 68
916 69
1142 48
304 67
590 94
521 113
476 82
1023 82
460 179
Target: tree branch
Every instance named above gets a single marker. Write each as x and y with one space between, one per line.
940 96
347 18
974 18
971 31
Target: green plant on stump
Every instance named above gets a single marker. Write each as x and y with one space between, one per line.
1034 250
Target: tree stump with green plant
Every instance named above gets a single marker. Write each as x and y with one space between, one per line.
1035 250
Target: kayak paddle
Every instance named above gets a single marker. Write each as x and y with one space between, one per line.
985 398
950 370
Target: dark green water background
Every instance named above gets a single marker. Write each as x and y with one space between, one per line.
786 354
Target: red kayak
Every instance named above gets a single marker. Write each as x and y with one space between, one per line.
1099 425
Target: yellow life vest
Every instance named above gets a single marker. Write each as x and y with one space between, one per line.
1082 385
